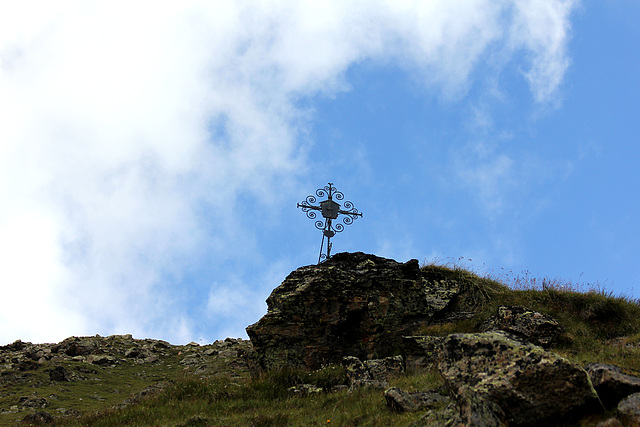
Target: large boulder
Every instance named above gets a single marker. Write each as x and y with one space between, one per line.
353 304
532 386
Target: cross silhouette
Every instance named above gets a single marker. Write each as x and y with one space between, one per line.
330 210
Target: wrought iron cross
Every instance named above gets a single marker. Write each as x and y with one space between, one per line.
330 211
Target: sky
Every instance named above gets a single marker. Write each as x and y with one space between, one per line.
152 153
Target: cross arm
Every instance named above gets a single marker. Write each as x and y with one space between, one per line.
306 206
340 211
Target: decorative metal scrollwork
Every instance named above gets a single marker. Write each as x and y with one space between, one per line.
328 191
330 211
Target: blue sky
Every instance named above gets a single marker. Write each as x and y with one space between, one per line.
152 155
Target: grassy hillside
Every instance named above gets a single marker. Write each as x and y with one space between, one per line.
598 327
263 401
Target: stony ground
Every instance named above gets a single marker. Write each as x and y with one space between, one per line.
85 374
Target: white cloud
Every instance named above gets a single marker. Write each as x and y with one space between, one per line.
121 122
541 28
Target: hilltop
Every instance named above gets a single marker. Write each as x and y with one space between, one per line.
361 340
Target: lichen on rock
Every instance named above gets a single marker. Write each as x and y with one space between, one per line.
353 304
531 385
538 328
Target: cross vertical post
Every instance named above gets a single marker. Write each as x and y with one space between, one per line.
330 211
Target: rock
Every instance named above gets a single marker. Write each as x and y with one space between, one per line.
467 411
532 386
59 373
192 359
448 417
102 360
77 346
141 354
39 417
227 354
32 402
476 411
15 346
402 401
26 365
160 345
37 353
132 352
372 373
150 359
610 422
535 327
353 304
420 351
384 369
611 384
629 409
355 370
70 412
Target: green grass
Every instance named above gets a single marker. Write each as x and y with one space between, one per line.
107 389
262 401
95 387
598 325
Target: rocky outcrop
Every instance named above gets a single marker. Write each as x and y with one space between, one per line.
71 364
365 313
535 327
530 385
358 307
353 304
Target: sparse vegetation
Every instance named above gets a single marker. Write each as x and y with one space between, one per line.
262 401
598 327
477 292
